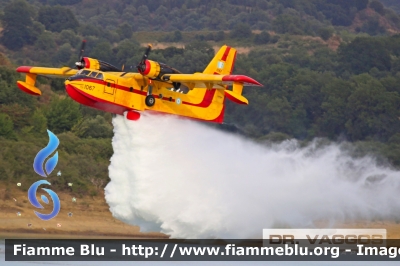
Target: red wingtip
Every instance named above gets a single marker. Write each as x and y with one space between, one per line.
242 79
24 69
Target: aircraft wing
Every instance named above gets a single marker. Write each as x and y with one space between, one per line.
28 85
199 80
62 72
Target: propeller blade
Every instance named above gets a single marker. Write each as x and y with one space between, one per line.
67 70
146 53
142 64
82 50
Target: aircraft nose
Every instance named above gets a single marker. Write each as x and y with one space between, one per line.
70 83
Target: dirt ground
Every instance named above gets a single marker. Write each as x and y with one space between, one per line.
91 218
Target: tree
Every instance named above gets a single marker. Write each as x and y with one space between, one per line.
37 28
153 5
20 115
373 112
63 2
68 36
334 106
216 19
17 23
63 54
377 6
45 42
241 31
361 4
340 16
9 93
362 54
125 31
57 18
288 24
62 115
127 49
6 126
177 36
219 36
325 33
278 111
93 128
102 51
39 122
262 38
373 27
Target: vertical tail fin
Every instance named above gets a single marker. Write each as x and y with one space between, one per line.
223 62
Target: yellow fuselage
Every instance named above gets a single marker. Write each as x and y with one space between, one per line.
110 91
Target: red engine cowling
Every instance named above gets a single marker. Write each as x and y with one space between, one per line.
153 69
92 63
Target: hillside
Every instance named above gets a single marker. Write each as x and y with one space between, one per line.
294 17
392 4
330 69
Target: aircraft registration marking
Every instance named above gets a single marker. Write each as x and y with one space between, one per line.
89 87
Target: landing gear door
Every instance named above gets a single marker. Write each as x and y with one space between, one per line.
109 90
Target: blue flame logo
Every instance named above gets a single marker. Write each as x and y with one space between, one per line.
32 198
44 169
44 153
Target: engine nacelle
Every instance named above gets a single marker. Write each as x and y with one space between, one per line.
92 63
153 69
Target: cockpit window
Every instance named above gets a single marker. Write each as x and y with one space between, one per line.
93 74
85 72
99 76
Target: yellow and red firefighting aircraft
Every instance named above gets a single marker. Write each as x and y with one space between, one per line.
155 87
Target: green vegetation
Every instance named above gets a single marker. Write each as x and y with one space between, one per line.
18 25
57 18
329 68
392 4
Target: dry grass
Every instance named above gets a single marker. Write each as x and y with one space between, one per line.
90 218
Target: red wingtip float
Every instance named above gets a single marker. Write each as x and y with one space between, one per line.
156 86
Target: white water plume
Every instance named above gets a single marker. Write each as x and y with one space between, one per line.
192 181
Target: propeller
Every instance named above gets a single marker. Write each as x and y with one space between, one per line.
142 64
82 50
80 64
